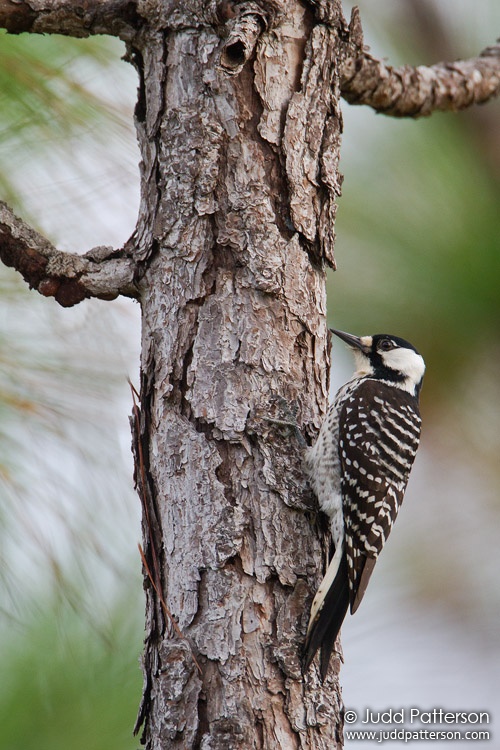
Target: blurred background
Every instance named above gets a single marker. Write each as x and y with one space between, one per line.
418 252
71 601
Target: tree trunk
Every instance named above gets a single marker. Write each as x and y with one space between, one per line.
233 304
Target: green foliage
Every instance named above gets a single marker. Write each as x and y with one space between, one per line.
70 685
37 89
63 393
49 94
418 244
418 225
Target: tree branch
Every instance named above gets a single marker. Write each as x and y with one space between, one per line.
114 17
417 91
102 272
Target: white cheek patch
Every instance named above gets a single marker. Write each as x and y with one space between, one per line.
407 362
363 366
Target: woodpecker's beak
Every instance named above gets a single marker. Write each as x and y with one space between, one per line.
354 341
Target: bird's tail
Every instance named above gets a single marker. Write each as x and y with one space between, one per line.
327 612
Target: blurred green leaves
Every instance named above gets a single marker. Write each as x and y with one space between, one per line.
69 518
418 238
49 94
67 686
63 391
37 93
418 244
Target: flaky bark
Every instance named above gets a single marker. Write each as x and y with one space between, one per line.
102 272
234 314
411 91
78 19
239 126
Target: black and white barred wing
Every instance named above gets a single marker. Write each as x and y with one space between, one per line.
379 436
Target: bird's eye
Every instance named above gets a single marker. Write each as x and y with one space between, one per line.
386 345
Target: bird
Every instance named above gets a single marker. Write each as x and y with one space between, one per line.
358 468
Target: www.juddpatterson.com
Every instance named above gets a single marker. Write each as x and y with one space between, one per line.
408 735
430 724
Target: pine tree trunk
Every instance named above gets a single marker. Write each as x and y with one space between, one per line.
238 180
